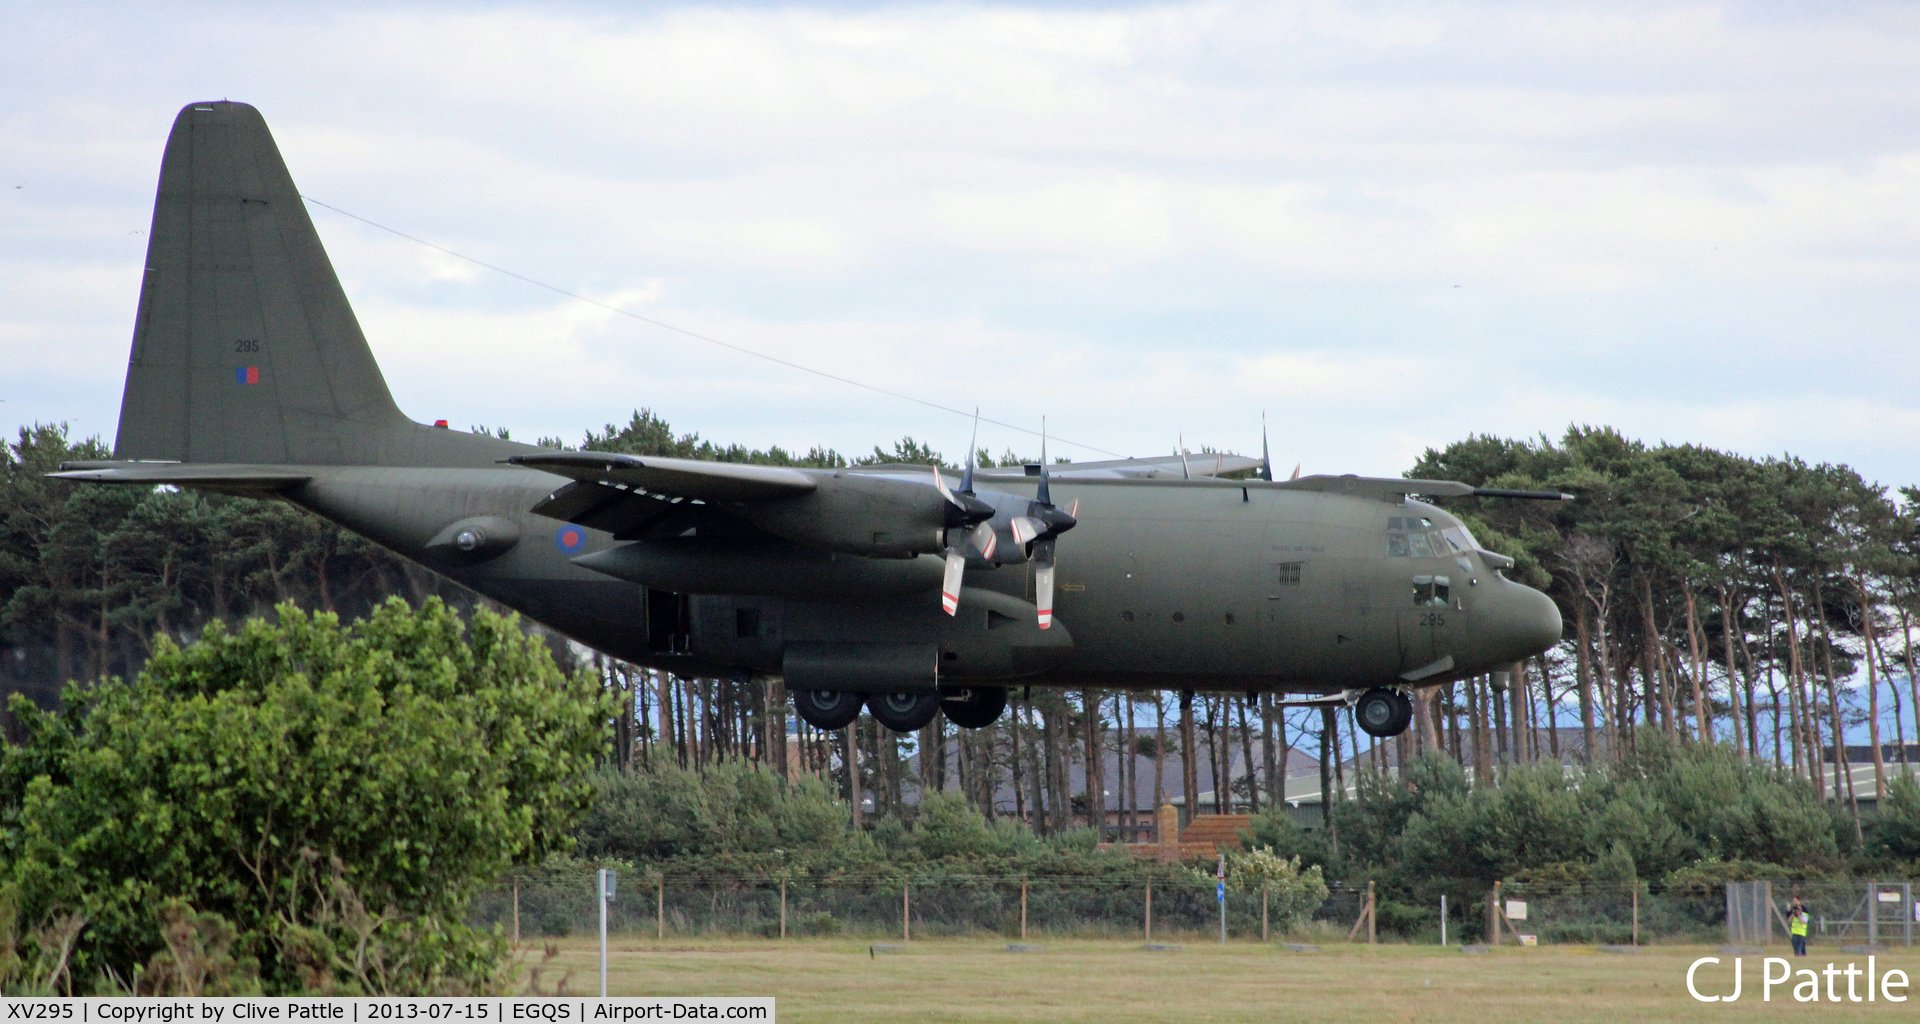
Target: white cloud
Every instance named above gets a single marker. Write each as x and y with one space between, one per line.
1678 218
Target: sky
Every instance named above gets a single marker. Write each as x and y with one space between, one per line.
1383 226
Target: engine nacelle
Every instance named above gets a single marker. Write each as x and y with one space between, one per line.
885 516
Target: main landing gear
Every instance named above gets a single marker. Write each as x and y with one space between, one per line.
976 708
1382 712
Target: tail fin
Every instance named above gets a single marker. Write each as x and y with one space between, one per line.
245 349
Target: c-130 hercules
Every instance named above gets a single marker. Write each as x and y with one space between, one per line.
249 375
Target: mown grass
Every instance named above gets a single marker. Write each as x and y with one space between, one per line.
977 980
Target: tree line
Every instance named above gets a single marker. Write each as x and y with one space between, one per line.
1759 604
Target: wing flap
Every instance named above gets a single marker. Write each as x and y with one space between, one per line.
623 513
680 478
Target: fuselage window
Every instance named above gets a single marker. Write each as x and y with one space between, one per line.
1432 591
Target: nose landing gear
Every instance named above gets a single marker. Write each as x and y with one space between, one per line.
1383 712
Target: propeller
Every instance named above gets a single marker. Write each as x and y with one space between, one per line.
966 526
1046 522
969 525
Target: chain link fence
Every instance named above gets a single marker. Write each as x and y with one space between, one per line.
562 904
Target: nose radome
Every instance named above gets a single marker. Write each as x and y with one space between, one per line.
1534 624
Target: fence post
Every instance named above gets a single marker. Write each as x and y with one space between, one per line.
1873 913
1636 912
660 908
516 913
1370 918
1493 919
600 900
1443 919
1263 915
1149 911
1023 909
906 911
783 908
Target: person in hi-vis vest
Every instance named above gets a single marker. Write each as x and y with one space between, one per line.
1797 927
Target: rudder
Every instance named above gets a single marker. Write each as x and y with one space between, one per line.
245 349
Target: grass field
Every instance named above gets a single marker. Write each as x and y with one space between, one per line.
1083 980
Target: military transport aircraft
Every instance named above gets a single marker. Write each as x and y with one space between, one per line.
908 589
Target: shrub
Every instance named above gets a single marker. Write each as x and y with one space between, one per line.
314 788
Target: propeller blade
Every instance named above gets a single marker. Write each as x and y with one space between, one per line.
950 588
985 540
945 491
966 482
1025 529
1045 494
1186 471
1043 581
1266 459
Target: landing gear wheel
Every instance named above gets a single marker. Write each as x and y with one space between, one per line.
1382 712
826 709
903 712
976 708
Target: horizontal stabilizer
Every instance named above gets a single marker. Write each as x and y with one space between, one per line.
680 478
228 478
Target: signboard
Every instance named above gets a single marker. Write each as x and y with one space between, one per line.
1220 892
1888 895
1516 910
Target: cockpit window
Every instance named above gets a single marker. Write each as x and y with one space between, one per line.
1420 544
1458 539
1396 545
1432 591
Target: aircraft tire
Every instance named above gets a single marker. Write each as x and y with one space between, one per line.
977 708
826 709
1381 712
903 712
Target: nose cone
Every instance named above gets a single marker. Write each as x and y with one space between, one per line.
1529 623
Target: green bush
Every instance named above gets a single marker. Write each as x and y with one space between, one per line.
318 790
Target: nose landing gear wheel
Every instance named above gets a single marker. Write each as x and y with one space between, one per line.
1382 712
826 709
903 712
976 708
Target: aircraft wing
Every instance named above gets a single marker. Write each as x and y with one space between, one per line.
1382 487
1161 467
677 478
